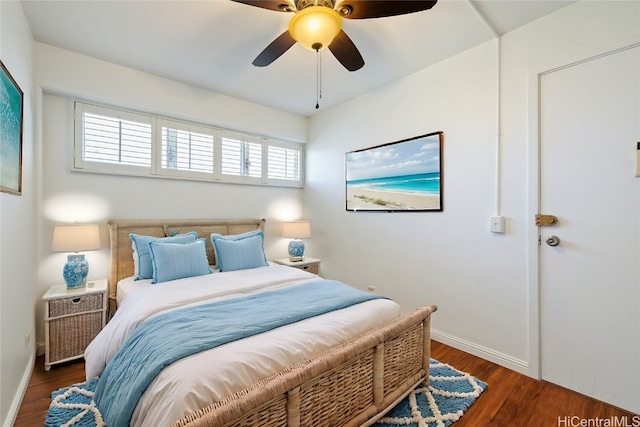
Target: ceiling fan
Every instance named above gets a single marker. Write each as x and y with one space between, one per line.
317 24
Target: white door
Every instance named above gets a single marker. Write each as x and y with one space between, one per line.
590 281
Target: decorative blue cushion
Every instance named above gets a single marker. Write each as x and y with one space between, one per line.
173 261
239 251
142 257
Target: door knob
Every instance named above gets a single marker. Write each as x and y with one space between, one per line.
553 240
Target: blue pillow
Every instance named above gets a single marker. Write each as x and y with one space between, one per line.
173 261
142 257
239 251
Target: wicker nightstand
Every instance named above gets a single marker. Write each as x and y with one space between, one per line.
307 264
73 317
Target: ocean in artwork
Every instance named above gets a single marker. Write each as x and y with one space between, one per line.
10 131
422 183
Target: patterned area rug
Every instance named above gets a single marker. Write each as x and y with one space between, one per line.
440 404
74 406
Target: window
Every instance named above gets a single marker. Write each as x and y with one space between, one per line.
115 138
116 141
284 163
109 140
186 148
241 155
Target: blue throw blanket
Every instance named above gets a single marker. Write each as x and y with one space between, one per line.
169 337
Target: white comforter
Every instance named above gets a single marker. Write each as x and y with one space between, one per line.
199 380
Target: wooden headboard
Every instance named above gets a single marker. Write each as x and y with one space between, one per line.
122 253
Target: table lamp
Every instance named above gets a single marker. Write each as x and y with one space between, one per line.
296 230
76 238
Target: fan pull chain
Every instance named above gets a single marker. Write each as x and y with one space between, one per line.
318 78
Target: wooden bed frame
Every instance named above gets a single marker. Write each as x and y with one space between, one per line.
353 384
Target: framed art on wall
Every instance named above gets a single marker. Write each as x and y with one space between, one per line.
400 176
11 102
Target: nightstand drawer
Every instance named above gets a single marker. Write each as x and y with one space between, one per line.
81 304
69 336
311 268
310 265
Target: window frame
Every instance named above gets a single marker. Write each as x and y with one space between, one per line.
156 170
79 163
247 139
286 146
182 173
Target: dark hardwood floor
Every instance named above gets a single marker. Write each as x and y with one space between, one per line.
511 399
515 400
38 395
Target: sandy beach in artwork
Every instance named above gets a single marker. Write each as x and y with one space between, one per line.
359 198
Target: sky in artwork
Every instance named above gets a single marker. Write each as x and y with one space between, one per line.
416 156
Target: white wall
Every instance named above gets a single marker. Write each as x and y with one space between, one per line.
449 259
18 267
480 281
86 197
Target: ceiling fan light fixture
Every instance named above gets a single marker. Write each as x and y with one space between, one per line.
315 27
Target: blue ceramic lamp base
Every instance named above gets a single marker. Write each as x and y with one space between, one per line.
75 271
296 250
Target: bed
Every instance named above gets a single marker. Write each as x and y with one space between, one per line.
344 367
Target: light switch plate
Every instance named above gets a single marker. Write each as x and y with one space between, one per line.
497 224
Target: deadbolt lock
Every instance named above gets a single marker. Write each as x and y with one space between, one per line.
546 220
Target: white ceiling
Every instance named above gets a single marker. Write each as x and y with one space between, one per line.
211 44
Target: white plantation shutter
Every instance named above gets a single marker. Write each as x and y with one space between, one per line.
241 155
284 162
114 137
186 147
115 141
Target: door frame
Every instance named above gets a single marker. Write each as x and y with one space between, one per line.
534 188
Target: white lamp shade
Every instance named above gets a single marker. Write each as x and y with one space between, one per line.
315 27
296 230
76 238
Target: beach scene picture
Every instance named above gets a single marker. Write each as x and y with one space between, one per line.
10 133
398 176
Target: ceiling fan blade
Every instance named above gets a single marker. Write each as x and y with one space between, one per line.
363 9
277 5
274 50
346 52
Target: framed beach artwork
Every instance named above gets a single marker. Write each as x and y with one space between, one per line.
11 99
400 176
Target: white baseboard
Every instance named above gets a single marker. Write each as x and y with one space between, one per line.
12 414
486 353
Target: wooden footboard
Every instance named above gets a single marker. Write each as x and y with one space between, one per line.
351 385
